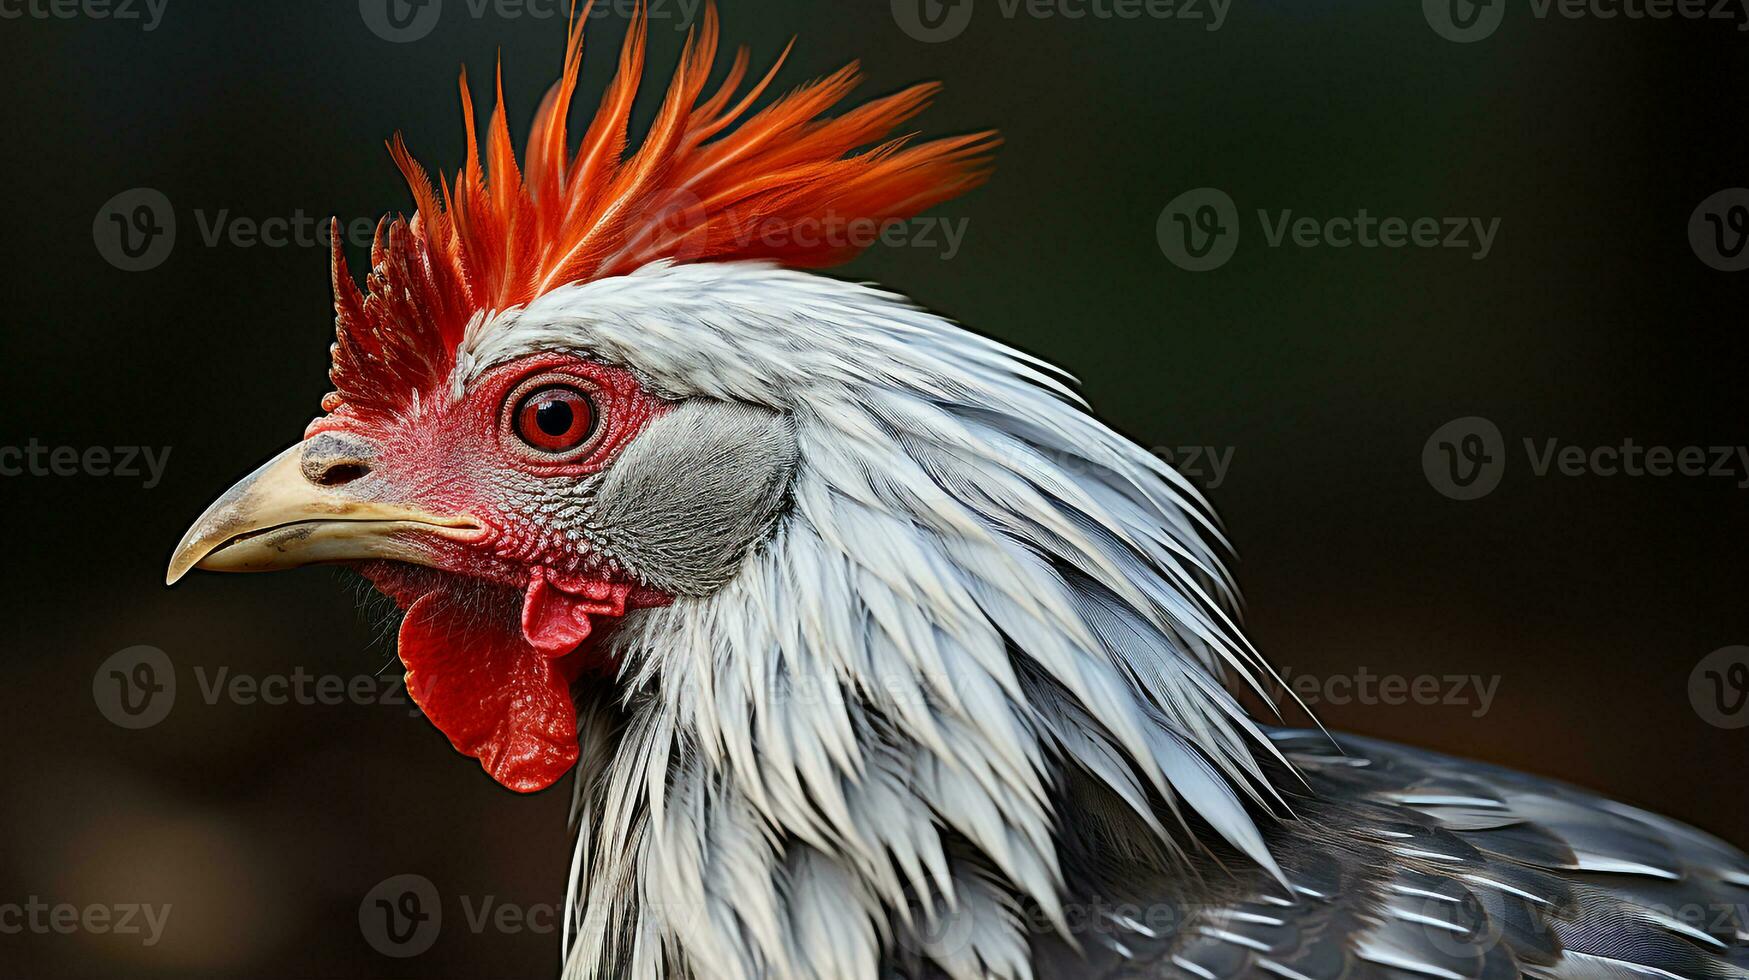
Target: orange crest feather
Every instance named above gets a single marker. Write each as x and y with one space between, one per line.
499 236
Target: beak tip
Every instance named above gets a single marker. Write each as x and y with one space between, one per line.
187 556
181 563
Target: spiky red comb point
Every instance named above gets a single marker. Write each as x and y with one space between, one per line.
692 191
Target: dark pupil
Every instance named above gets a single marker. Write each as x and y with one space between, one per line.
553 417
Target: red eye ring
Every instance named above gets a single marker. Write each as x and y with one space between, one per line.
554 418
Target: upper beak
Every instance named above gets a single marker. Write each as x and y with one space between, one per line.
278 517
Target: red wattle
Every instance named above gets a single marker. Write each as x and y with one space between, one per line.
550 623
493 694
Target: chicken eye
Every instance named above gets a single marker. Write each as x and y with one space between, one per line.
555 419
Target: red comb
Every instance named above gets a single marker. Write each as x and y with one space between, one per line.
498 237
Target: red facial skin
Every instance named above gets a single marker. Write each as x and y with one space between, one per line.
499 625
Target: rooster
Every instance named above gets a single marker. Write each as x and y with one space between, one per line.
875 653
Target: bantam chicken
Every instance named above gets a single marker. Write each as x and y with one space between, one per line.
875 653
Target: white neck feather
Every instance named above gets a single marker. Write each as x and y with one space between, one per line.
977 589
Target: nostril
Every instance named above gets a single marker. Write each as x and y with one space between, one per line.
333 459
339 473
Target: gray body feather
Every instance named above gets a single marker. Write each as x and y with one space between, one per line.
1408 864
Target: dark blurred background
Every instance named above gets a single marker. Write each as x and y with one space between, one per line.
1581 606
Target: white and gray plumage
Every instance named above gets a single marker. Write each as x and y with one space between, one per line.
906 667
970 673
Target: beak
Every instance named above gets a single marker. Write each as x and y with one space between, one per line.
277 517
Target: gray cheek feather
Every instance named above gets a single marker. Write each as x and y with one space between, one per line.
694 491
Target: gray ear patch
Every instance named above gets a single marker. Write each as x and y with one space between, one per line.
694 491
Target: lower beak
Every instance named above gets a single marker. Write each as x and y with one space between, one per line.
277 518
